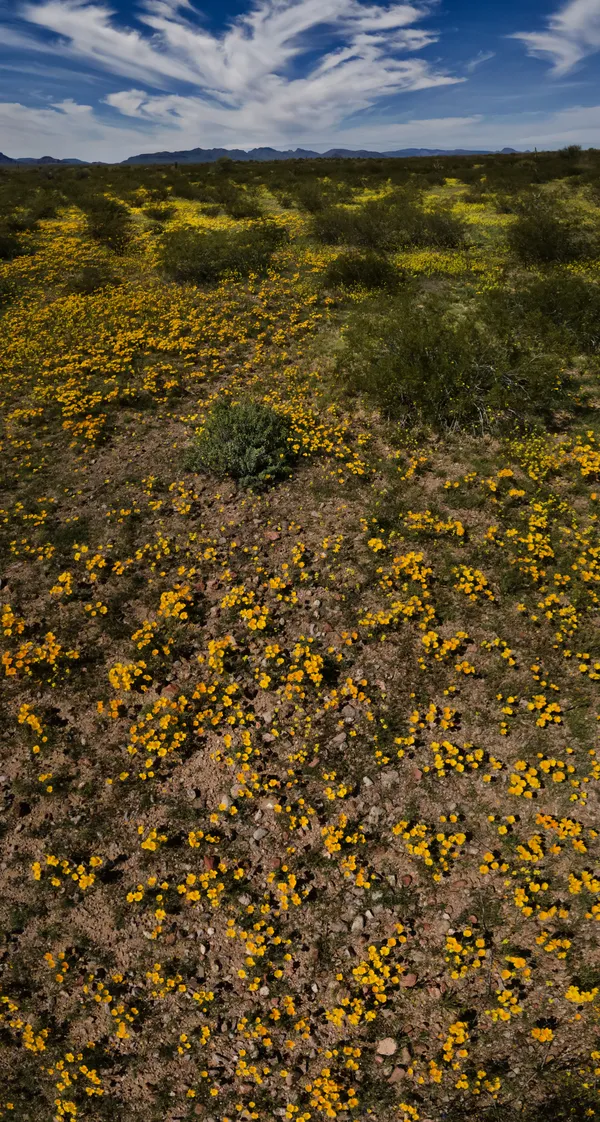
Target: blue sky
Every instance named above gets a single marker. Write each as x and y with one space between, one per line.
104 79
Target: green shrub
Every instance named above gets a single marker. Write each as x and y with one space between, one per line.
570 303
392 223
247 441
310 196
211 210
10 246
439 228
361 270
8 291
546 231
91 278
46 205
158 193
200 256
109 222
159 212
334 226
418 366
238 203
559 304
21 223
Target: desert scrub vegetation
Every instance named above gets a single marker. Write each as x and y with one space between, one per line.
546 230
420 366
299 780
188 254
560 305
10 245
159 212
362 270
108 221
246 440
396 221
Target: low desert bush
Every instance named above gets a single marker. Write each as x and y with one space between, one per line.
10 246
247 441
238 203
201 256
559 306
418 366
392 223
546 231
361 270
334 226
8 291
109 222
315 197
159 212
90 279
438 228
570 303
22 222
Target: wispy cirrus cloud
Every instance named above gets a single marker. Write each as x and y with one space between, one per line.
478 60
260 78
571 34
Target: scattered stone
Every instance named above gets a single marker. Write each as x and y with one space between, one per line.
387 1046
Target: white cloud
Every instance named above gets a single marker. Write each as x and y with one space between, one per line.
61 130
262 42
67 129
579 124
571 35
251 83
483 56
311 73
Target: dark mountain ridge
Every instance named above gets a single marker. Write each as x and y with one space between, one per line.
38 161
211 155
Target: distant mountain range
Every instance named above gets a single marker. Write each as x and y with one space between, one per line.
5 161
211 155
